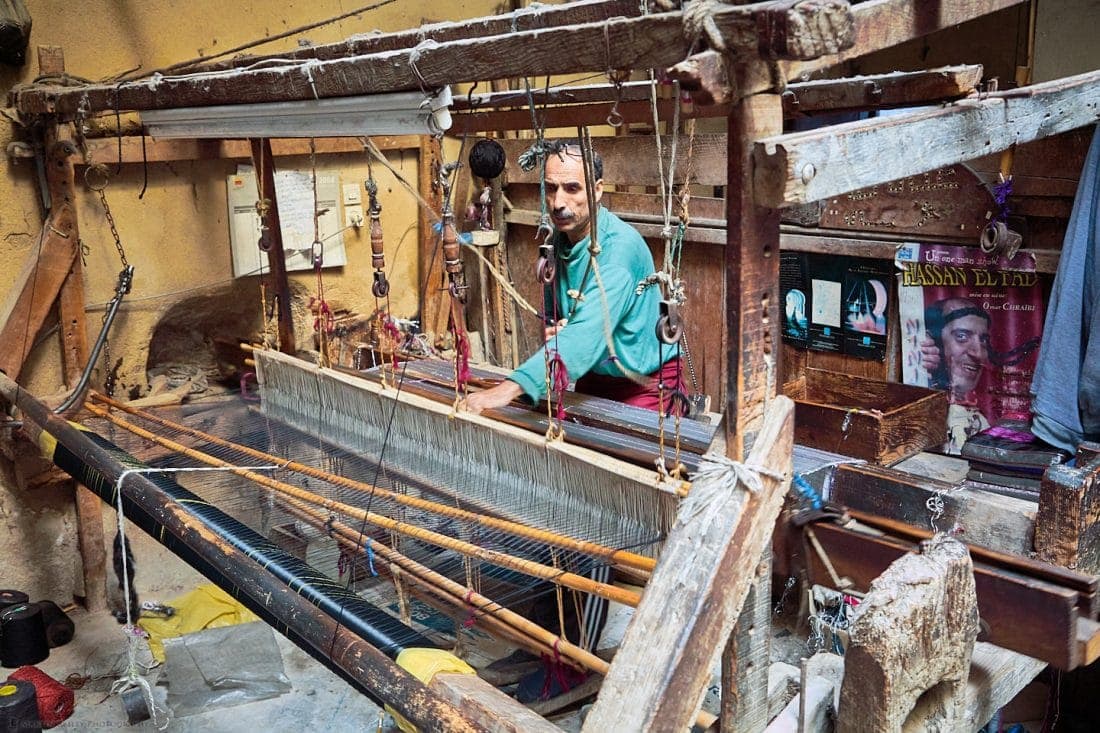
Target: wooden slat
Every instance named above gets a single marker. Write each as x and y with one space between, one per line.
591 104
810 166
1022 613
488 707
880 24
39 283
106 150
793 30
545 16
658 676
996 522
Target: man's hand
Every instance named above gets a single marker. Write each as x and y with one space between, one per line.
929 355
494 397
551 331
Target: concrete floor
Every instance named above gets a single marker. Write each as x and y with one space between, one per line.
318 698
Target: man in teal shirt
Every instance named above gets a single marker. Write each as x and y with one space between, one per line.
633 368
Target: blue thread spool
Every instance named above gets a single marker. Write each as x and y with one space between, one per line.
22 636
19 707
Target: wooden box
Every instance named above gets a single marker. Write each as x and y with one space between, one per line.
880 422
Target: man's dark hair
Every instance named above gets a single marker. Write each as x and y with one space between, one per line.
573 147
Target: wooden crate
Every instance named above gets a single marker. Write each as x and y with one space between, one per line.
880 422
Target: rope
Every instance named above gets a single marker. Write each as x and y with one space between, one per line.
699 21
132 678
724 470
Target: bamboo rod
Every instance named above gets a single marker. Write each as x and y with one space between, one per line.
527 567
459 595
620 557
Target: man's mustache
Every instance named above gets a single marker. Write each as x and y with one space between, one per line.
564 213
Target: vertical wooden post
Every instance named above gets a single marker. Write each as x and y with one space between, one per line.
435 300
752 350
60 177
272 238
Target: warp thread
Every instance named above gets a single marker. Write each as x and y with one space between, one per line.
55 700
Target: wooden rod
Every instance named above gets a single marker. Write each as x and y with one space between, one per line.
621 557
527 567
459 595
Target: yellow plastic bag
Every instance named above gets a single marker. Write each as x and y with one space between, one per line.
206 607
424 664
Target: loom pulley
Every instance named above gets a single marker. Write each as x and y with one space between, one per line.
381 286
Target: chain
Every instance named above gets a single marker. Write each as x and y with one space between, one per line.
111 224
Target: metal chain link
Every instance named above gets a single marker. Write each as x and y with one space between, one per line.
114 229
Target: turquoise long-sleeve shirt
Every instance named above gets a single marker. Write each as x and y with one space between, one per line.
624 261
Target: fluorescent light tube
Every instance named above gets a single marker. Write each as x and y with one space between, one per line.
401 113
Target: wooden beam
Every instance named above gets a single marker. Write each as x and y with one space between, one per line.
773 29
74 359
528 18
913 633
658 676
434 298
880 24
39 283
487 707
107 150
1067 528
881 91
591 104
809 166
271 240
1021 612
999 523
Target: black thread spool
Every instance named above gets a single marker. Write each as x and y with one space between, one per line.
59 627
19 707
22 636
12 598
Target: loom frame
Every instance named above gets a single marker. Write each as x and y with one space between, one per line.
751 316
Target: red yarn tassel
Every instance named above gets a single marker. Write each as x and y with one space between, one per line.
559 382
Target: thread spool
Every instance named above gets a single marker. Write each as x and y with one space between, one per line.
55 700
18 707
12 598
59 627
22 636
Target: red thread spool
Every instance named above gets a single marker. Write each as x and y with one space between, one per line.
55 700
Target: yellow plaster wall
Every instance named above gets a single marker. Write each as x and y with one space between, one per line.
177 234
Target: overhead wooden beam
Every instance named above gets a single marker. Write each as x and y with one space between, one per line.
775 29
810 166
528 18
591 105
658 676
880 24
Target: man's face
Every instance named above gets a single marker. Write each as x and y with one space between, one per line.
566 196
965 351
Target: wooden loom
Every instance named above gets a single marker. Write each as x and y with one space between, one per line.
750 274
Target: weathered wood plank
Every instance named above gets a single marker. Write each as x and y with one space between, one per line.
657 679
792 30
1021 612
809 166
42 276
272 241
488 707
1067 527
106 150
913 632
590 105
880 24
997 522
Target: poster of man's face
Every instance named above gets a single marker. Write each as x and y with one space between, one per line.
966 352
